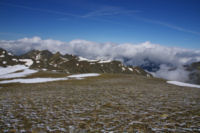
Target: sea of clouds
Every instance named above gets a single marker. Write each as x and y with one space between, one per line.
170 59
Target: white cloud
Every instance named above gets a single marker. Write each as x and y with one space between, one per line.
177 74
134 54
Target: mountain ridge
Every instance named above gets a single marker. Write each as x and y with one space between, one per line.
48 61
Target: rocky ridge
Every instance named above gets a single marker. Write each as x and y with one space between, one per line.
47 61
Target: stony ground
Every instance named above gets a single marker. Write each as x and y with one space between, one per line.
109 103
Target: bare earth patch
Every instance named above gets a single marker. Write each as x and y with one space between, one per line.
110 102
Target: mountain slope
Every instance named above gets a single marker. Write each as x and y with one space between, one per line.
7 58
194 69
45 60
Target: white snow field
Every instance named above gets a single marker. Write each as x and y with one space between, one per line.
85 59
97 61
105 61
80 76
183 84
24 73
42 80
11 71
32 80
28 62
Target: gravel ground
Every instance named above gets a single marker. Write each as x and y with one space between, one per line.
108 103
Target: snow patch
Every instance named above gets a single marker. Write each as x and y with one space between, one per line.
148 76
24 73
130 69
28 62
14 60
32 80
11 69
42 80
9 72
38 56
4 62
65 59
85 59
83 75
88 60
137 71
183 84
105 61
10 54
2 56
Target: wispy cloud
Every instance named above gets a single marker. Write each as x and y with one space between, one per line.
103 11
11 34
109 11
42 10
169 25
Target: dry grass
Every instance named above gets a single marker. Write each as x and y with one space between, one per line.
110 102
44 74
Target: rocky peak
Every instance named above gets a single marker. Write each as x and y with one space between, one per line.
38 55
57 54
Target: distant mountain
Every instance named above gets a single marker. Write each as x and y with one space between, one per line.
150 66
45 60
194 69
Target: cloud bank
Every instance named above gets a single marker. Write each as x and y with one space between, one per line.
130 54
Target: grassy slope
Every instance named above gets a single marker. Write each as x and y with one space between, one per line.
110 102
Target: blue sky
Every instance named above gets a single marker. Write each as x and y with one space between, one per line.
166 22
